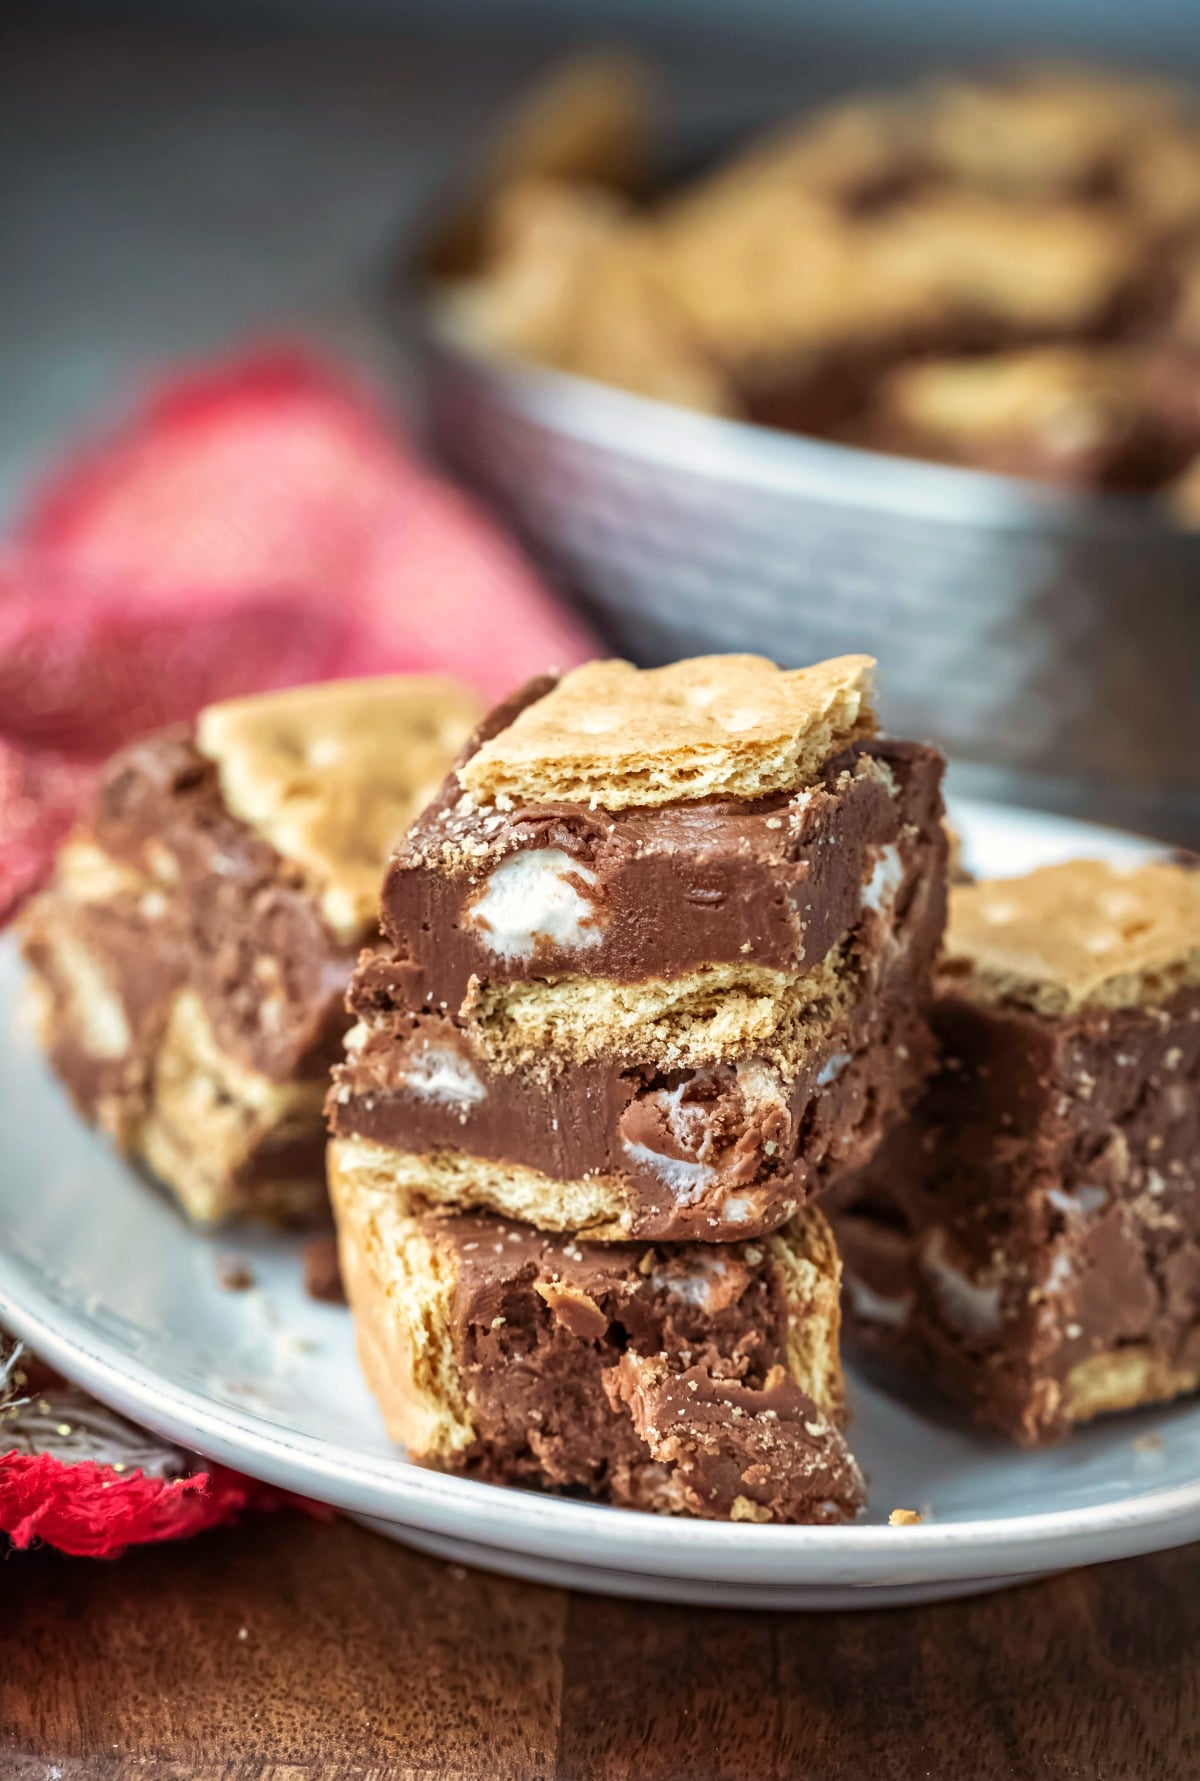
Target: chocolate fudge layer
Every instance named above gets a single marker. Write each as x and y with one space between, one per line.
705 1104
564 890
191 956
688 1380
1030 1239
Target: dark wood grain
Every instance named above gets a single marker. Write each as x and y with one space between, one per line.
291 1651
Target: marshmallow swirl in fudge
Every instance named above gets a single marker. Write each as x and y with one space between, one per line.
695 1379
1030 1240
676 1018
191 956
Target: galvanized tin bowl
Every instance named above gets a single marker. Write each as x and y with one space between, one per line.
1050 638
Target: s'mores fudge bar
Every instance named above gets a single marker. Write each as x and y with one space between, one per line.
658 955
696 1380
191 956
1030 1239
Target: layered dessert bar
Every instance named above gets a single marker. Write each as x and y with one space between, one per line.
657 955
1030 1239
695 1380
191 956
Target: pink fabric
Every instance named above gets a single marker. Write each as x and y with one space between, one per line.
255 523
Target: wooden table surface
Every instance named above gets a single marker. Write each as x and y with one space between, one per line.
292 1651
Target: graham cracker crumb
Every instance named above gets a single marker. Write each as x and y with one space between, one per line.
611 735
746 1509
905 1518
322 1271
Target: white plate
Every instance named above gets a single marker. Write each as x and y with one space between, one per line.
103 1277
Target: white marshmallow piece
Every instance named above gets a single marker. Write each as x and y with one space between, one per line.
887 875
440 1074
532 896
967 1305
687 1181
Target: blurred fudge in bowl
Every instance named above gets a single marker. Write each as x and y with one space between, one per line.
960 221
915 374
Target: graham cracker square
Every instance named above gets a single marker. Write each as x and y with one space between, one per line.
612 735
1081 934
332 775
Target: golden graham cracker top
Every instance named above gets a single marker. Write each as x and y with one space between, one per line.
612 735
332 775
1083 934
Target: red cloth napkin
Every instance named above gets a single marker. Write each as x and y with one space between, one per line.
78 1476
258 522
254 523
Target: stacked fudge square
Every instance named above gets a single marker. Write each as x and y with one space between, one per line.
654 976
190 958
1030 1239
656 981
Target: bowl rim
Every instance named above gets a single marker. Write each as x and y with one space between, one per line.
767 459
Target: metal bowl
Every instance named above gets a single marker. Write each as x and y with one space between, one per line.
1052 640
